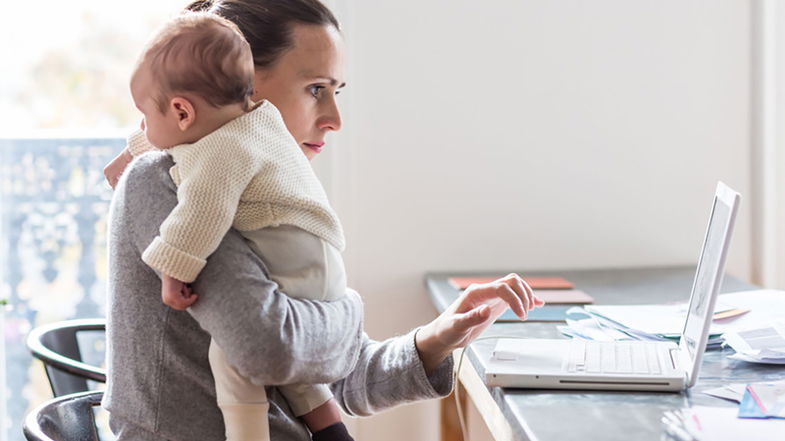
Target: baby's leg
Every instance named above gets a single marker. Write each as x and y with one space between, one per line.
244 405
304 265
314 403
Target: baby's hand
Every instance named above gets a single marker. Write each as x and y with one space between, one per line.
114 169
177 294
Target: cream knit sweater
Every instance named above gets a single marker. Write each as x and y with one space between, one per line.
250 174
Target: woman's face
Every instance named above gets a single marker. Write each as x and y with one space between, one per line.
303 85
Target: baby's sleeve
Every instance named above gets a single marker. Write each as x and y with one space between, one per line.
138 144
212 179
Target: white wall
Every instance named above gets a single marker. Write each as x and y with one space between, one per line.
531 135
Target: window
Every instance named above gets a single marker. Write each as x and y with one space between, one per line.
66 109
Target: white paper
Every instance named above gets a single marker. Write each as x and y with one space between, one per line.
733 392
596 327
772 397
763 344
765 305
721 424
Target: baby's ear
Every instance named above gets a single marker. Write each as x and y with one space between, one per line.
184 111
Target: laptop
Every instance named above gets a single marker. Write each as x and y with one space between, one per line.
628 365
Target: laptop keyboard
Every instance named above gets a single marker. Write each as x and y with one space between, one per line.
615 357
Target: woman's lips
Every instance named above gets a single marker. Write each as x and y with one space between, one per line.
316 147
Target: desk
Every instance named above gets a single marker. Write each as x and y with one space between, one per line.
549 415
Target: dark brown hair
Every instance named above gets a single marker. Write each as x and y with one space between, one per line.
202 54
267 24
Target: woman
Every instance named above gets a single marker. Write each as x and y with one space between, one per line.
159 384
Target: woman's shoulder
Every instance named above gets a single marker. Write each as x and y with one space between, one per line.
150 170
143 198
146 186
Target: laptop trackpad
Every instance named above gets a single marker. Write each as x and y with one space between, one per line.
534 355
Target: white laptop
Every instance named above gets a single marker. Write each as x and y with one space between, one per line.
633 365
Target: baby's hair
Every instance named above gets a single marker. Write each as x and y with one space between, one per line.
202 54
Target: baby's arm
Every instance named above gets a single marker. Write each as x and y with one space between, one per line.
137 144
176 294
212 180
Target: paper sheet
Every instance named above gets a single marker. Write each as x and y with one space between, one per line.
765 305
732 392
720 424
763 344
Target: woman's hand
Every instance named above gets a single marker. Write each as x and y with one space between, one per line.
468 316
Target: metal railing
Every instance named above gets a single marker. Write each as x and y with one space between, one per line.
54 204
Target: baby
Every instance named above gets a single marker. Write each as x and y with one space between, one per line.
235 165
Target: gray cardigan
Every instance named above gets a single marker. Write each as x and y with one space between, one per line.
159 384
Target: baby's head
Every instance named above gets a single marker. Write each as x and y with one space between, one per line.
194 76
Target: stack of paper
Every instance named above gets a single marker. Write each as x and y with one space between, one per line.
765 344
733 312
583 324
587 324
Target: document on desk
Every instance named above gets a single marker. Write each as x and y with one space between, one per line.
769 398
721 423
763 344
734 311
732 391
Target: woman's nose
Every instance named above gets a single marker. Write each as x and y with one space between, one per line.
331 118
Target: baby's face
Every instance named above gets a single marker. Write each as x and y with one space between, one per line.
160 127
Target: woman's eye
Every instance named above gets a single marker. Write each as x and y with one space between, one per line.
315 90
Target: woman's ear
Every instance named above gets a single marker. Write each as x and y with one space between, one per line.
184 112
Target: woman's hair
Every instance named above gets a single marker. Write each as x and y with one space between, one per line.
267 24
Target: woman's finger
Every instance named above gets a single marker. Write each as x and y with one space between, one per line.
506 293
523 291
472 318
538 301
533 300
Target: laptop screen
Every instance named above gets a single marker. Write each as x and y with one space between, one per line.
708 277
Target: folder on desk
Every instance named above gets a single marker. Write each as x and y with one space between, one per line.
462 283
552 290
564 296
554 313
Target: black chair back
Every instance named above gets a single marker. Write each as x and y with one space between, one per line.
66 418
57 346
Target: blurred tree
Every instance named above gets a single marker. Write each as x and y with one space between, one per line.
85 84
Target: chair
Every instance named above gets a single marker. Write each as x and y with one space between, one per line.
57 346
66 418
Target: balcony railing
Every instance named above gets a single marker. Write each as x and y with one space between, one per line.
54 204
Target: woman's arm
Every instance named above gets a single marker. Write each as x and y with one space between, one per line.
268 336
418 365
391 373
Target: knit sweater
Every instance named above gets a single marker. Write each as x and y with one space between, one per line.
249 174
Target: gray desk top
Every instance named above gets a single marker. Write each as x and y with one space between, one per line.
580 415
